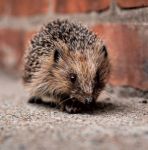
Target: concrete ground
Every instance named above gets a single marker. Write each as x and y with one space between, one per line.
119 123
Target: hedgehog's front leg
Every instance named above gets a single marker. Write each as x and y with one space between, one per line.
72 107
43 100
35 99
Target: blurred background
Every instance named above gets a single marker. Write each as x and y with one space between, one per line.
122 24
120 121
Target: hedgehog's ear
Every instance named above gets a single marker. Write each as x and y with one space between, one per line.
104 51
57 55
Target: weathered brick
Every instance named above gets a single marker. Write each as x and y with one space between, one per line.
23 7
128 49
3 5
12 46
78 6
132 3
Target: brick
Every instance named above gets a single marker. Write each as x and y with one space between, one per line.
128 50
132 3
12 46
23 7
3 5
79 6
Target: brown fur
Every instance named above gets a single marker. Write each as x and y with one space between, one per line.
45 78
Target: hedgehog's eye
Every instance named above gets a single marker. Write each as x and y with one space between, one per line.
73 77
104 51
57 55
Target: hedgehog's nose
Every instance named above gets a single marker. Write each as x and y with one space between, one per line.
89 100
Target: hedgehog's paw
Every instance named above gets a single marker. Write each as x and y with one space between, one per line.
72 107
35 99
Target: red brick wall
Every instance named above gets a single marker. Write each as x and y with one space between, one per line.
122 24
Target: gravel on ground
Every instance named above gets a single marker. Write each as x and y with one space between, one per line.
121 122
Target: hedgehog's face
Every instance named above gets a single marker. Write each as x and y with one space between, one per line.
80 75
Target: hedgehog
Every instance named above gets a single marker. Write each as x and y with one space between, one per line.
66 64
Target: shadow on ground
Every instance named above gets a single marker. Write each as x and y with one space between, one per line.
101 107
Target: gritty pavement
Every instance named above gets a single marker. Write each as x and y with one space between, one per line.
120 123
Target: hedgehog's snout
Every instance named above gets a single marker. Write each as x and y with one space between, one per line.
85 98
